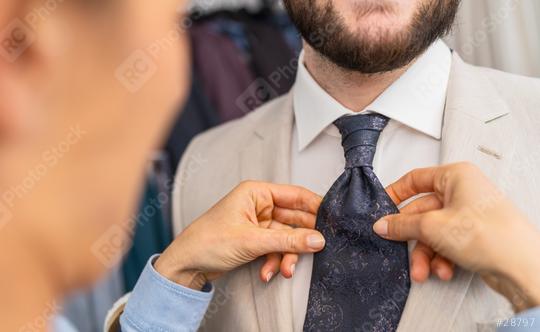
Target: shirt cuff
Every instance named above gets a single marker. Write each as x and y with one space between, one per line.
526 321
158 304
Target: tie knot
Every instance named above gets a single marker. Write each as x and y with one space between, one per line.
359 137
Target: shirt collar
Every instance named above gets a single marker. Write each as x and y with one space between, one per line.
416 99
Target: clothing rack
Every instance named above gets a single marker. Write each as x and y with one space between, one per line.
209 6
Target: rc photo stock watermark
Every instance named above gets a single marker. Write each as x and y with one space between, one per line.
20 33
117 239
42 321
141 65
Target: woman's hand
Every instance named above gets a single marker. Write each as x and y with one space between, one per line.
465 219
254 220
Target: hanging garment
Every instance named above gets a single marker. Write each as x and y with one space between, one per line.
160 171
197 116
224 71
244 59
234 30
290 34
271 57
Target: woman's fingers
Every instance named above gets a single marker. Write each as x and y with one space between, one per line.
268 199
442 268
271 267
423 204
412 222
421 257
424 262
288 261
418 181
295 218
410 225
405 227
285 263
288 265
294 198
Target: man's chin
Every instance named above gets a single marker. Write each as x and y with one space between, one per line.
380 34
364 7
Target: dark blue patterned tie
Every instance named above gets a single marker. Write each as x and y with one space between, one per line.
360 282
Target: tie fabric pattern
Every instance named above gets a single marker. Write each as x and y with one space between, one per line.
360 282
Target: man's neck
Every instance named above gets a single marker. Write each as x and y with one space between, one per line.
28 293
353 90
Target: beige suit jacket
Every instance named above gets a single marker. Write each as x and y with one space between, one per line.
491 119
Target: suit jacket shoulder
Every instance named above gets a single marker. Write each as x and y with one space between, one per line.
512 85
238 130
508 108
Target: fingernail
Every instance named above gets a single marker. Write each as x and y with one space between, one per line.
315 241
381 227
269 276
293 267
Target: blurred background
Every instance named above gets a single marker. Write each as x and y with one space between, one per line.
502 34
248 48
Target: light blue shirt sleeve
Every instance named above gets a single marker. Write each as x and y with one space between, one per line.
527 321
61 324
158 304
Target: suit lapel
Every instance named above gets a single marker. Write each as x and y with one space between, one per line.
477 128
267 158
478 125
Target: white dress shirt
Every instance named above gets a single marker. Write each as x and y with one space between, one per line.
415 105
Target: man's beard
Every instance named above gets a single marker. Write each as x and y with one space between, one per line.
370 52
